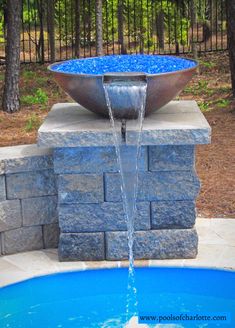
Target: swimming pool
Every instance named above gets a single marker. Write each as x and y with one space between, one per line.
97 298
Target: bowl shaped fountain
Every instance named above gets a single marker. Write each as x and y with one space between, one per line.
84 79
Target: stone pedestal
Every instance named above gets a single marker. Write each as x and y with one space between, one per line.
91 218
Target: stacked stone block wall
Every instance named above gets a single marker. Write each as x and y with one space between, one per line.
91 216
89 204
28 199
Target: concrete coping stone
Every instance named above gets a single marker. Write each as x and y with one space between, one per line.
23 151
177 123
23 158
71 125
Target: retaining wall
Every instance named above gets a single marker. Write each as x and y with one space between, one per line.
28 199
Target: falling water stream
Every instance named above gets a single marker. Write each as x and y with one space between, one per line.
134 94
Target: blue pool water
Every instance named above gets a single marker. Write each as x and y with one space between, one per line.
149 64
98 298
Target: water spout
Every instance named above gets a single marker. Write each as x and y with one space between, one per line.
124 103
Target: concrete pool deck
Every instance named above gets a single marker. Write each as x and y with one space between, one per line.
216 250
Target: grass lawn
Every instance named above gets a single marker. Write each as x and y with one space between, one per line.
212 91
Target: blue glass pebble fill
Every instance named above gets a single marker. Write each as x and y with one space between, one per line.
148 64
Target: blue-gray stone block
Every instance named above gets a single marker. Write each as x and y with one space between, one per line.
31 184
10 215
100 217
154 186
25 158
171 158
28 164
2 188
51 235
80 188
153 244
39 210
81 246
93 159
22 240
173 214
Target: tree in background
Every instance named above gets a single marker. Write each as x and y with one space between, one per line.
99 28
160 29
11 97
51 27
121 40
77 28
231 39
41 42
193 20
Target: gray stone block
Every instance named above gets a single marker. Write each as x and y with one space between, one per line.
154 186
10 215
171 158
51 235
177 123
153 244
80 188
39 210
173 214
25 158
81 246
100 217
93 159
71 125
2 188
22 240
31 184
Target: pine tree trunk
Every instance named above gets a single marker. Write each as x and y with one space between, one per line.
99 28
77 28
193 18
231 39
11 98
160 29
41 56
51 28
141 33
121 27
213 14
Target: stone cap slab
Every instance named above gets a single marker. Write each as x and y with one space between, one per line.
177 123
24 158
71 125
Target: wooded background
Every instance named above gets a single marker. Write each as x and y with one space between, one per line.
54 30
50 30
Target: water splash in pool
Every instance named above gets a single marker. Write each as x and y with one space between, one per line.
135 93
